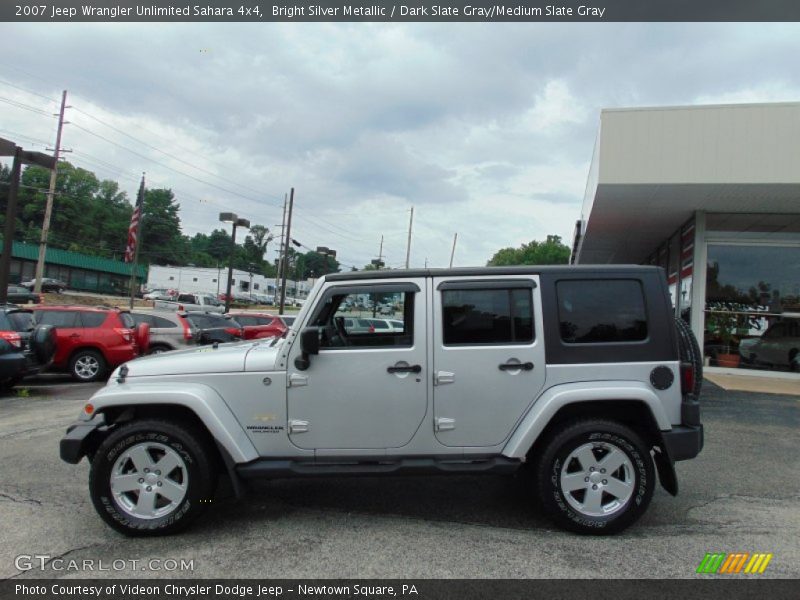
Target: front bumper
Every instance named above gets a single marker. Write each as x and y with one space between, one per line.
82 438
683 442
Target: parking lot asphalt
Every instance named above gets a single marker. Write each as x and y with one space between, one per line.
740 495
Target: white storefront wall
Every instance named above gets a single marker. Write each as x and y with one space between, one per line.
214 281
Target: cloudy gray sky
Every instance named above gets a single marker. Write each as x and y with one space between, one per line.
486 129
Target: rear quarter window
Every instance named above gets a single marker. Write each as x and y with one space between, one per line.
20 321
592 311
161 323
247 321
96 319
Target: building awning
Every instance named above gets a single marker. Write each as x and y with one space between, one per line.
56 256
654 167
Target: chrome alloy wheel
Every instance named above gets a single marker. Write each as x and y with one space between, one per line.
87 367
597 479
149 480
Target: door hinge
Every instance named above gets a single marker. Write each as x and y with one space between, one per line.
445 424
296 380
297 426
442 377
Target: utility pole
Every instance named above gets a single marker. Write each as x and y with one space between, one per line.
380 254
453 251
279 270
286 251
48 211
408 245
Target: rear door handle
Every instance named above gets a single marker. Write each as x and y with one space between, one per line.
408 369
526 366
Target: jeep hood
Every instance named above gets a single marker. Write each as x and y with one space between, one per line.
225 358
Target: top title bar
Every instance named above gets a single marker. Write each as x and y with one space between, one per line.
446 11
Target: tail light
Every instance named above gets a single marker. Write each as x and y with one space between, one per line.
180 307
372 328
126 334
687 377
41 298
235 331
12 337
187 331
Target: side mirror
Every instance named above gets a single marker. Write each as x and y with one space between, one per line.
309 344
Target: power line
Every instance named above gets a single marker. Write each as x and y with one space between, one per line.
24 106
165 153
26 90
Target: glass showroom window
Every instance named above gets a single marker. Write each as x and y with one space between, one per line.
753 306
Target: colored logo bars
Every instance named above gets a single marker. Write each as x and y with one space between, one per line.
738 562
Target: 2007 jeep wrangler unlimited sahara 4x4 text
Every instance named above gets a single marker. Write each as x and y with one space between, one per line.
579 378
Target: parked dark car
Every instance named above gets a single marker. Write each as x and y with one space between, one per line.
213 327
21 295
48 285
25 349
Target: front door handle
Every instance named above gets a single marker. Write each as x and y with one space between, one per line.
406 369
526 366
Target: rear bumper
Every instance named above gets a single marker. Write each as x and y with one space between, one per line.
81 438
12 365
683 442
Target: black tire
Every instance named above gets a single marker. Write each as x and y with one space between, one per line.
549 465
195 449
9 382
690 352
84 375
158 349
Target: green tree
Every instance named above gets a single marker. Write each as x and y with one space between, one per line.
550 252
162 242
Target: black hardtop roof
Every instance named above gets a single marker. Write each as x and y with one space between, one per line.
600 270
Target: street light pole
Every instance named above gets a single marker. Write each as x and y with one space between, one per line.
228 217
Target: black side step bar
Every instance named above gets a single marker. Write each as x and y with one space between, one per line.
280 468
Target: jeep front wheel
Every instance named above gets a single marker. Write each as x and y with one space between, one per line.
595 477
153 477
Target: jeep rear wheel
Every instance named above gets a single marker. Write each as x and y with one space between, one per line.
595 477
153 477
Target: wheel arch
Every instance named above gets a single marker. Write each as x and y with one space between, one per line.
83 347
609 397
194 403
629 403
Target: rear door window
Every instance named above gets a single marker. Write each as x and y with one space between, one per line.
489 316
58 318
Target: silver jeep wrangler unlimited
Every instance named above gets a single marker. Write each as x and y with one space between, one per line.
578 378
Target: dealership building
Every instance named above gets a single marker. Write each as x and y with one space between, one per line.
712 195
214 281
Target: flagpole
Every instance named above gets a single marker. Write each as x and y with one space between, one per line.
139 241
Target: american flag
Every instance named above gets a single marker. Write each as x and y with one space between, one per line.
133 230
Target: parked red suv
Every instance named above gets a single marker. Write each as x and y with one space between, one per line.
90 341
259 325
